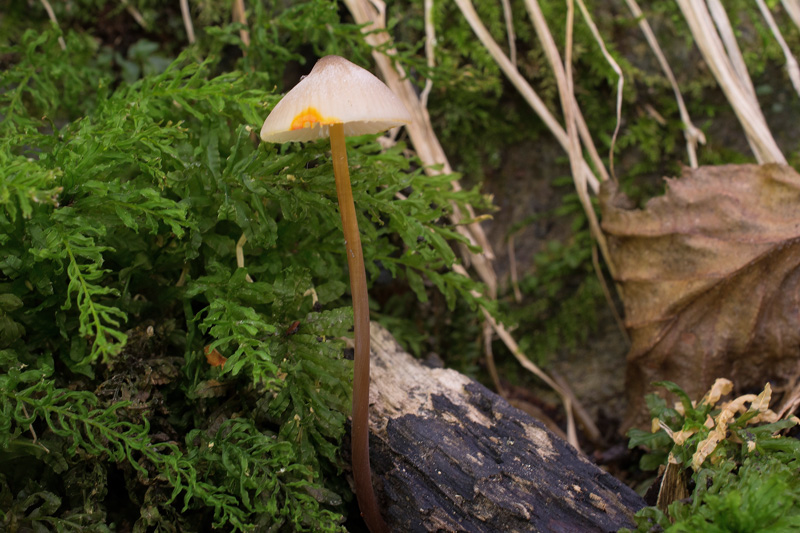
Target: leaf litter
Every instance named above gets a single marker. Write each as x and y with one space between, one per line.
709 274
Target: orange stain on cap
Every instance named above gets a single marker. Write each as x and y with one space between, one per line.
308 117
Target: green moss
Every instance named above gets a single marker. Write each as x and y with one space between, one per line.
124 193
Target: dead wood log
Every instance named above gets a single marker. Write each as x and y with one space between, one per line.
450 455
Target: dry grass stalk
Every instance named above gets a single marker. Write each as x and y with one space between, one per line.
692 134
735 56
420 130
490 366
512 38
563 390
238 14
792 7
746 108
512 266
521 84
620 81
430 48
566 90
187 21
137 16
728 38
584 178
608 297
791 63
571 111
572 117
52 16
554 58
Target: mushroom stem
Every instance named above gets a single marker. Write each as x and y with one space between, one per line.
358 288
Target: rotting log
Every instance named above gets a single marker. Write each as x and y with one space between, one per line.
450 455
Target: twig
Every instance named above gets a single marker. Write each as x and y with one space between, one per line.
692 134
791 63
51 14
187 20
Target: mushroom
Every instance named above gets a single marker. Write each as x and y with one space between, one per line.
336 99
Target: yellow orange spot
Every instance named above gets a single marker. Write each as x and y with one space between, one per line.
308 117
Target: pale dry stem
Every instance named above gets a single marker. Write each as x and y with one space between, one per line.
238 14
512 38
572 118
737 91
137 16
52 16
792 7
431 153
620 80
490 366
512 266
240 255
430 50
187 20
791 63
425 142
567 98
524 88
692 133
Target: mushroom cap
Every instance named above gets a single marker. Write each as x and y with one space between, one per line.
335 91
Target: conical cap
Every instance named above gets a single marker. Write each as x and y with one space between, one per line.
336 91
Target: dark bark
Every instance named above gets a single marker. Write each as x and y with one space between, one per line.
450 455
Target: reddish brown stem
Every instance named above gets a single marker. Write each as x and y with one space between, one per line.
358 287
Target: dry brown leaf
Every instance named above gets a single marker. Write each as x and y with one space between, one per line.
679 437
720 388
213 357
761 403
212 388
737 405
707 447
709 275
